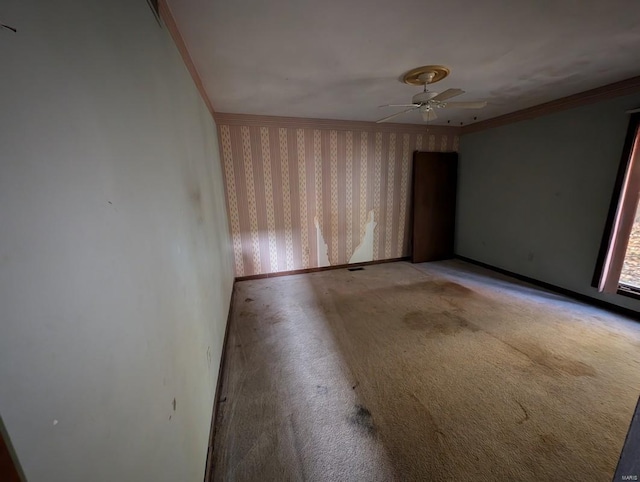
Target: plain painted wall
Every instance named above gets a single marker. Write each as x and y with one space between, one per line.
533 196
115 260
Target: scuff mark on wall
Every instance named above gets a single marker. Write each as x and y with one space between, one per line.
364 251
323 249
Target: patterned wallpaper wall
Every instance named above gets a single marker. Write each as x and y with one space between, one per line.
296 185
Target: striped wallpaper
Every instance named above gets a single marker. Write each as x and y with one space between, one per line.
283 174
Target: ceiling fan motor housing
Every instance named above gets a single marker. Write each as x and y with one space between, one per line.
423 97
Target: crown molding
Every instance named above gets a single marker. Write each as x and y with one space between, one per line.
328 124
167 17
610 91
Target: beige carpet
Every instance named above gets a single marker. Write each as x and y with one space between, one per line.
441 371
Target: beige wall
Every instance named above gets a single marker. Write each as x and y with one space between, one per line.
282 173
115 259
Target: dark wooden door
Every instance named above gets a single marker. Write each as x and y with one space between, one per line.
435 176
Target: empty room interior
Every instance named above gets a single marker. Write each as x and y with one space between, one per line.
333 241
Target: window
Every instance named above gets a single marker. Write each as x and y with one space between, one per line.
618 268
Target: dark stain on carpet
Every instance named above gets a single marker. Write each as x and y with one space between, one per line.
361 418
455 289
549 445
446 288
526 414
440 287
552 362
438 323
433 431
274 319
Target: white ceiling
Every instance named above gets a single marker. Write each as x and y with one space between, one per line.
341 59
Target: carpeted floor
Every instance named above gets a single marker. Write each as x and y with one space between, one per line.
440 371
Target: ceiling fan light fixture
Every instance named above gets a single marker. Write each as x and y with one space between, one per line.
423 97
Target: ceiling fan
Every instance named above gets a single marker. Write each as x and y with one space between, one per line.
427 102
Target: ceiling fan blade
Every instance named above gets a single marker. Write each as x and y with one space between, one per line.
429 115
395 115
465 105
399 105
447 94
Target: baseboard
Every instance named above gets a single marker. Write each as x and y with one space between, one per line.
620 310
323 268
208 473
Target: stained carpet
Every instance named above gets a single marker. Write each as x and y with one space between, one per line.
436 372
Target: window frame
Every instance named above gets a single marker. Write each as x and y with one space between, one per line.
612 249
